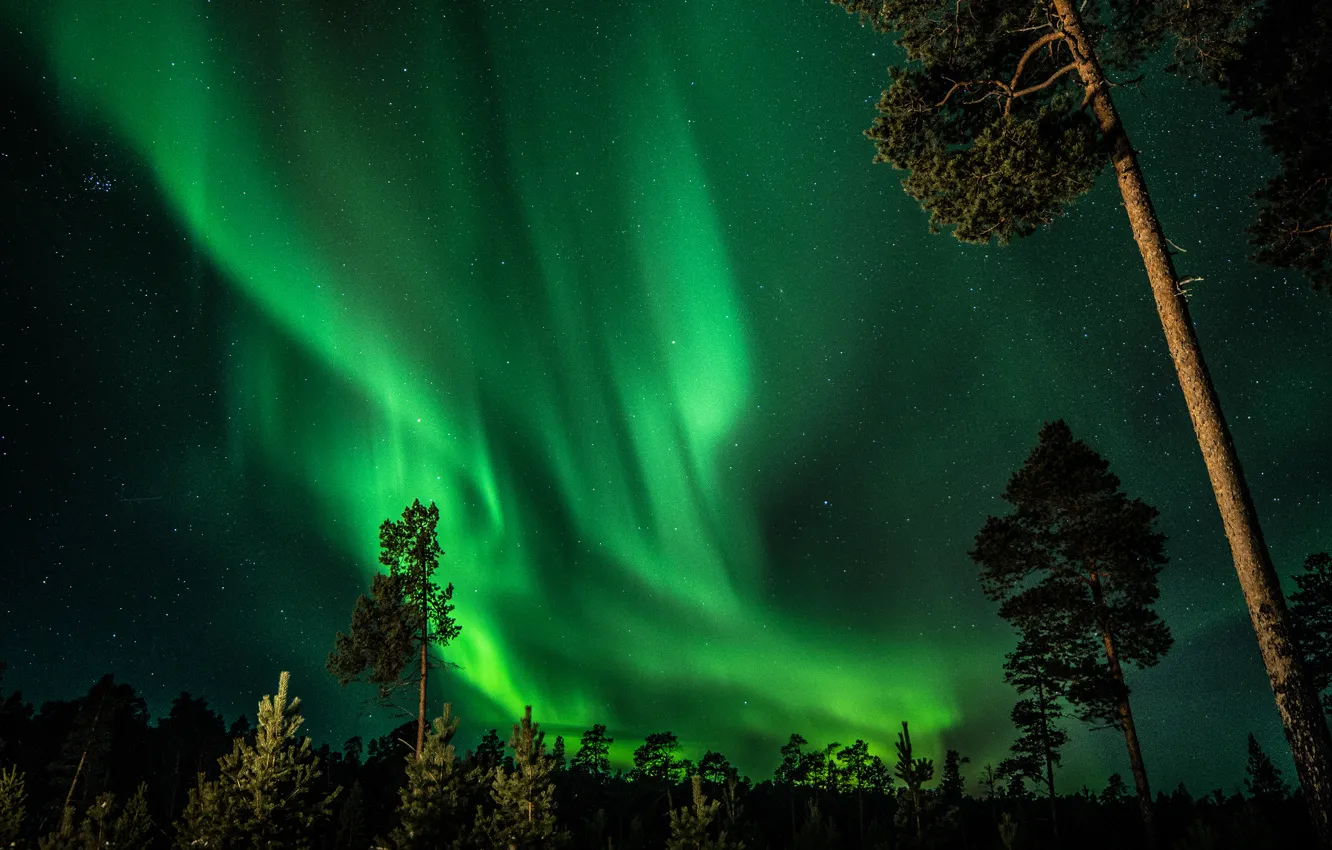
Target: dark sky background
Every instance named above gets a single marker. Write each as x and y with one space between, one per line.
710 416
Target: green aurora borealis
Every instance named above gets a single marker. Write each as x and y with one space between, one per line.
709 416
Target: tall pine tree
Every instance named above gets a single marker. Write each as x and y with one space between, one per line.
1074 566
405 614
593 757
1002 114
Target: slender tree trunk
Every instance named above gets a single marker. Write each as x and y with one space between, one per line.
1130 730
1049 758
1301 715
425 667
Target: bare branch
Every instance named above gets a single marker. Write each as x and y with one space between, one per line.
1071 66
1031 51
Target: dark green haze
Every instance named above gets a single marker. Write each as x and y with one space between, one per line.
710 418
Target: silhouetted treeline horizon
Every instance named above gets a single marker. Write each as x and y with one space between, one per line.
82 763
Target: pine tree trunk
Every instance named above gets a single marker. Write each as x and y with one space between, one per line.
1301 715
1129 727
425 649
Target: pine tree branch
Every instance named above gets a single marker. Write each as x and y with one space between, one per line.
1008 91
1048 81
1031 51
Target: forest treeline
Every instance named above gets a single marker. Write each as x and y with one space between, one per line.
1073 566
94 772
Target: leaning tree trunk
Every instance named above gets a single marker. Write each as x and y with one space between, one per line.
1301 715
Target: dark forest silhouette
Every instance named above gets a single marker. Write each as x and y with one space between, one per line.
94 772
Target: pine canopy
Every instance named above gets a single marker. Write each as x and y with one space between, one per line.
1075 561
987 112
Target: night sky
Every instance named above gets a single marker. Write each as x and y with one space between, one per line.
710 417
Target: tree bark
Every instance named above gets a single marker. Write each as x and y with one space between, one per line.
1136 764
1125 711
1301 715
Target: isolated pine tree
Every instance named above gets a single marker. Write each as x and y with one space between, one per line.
593 756
430 807
692 827
405 614
914 802
1262 779
524 797
1035 671
1311 612
1074 567
1002 113
13 806
266 795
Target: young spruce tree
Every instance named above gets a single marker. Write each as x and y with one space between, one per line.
524 797
266 795
1074 568
431 803
13 806
692 826
405 614
1002 114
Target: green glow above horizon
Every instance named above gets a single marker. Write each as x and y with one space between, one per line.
456 272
